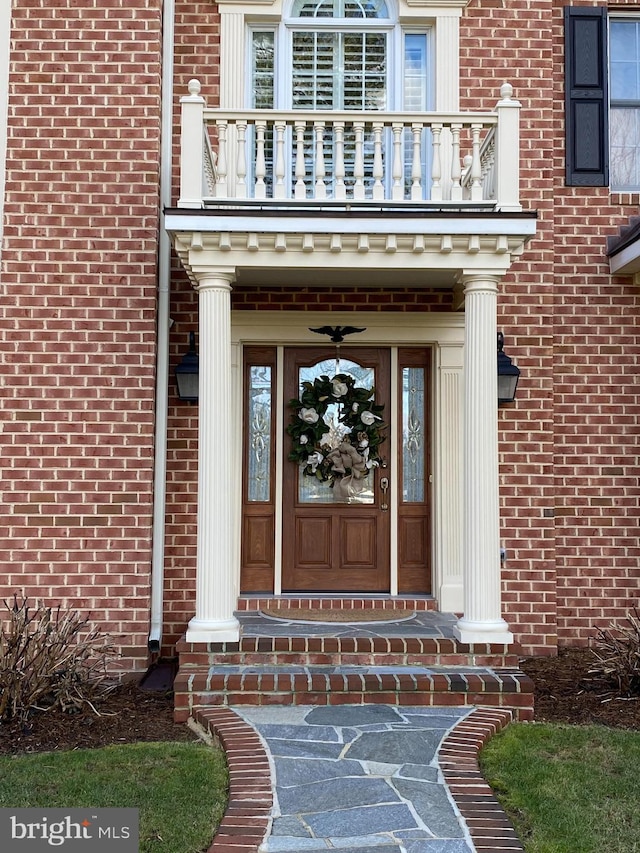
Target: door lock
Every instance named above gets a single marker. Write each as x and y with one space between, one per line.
384 486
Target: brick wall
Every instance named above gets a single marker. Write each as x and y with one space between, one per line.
568 472
77 329
517 37
77 315
596 403
568 477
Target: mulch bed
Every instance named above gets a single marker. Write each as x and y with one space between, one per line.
127 715
565 692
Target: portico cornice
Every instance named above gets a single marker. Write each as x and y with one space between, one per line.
462 247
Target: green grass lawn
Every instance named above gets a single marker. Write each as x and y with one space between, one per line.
568 789
180 788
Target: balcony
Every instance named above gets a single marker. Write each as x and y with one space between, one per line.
313 188
313 157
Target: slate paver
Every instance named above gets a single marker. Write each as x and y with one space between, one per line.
341 794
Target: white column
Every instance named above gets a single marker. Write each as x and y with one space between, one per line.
215 571
482 621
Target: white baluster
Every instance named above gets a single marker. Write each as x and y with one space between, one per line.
260 187
466 168
279 189
321 189
416 164
301 190
397 189
436 164
241 168
456 168
476 165
221 165
358 161
378 173
339 191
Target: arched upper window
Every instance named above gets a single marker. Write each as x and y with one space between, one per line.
350 56
340 55
339 9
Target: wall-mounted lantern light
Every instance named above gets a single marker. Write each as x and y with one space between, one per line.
508 375
187 373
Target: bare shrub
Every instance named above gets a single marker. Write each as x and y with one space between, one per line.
49 658
617 651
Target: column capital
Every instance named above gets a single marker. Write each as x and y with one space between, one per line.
480 282
220 280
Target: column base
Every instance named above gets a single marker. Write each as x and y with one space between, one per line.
451 596
490 631
213 631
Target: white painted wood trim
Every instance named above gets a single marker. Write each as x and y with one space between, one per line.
445 334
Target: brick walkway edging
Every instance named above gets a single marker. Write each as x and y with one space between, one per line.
489 827
247 819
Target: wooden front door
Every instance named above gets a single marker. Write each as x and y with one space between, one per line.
336 532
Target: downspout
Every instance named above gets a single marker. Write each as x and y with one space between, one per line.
5 48
163 321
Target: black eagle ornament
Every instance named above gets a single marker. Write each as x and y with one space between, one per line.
337 333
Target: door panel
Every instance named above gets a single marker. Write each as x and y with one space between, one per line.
312 542
334 541
358 543
257 540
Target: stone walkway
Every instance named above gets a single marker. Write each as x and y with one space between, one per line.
360 779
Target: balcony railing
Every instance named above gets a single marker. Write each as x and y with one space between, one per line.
272 156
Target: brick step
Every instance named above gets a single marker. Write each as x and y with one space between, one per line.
346 651
196 687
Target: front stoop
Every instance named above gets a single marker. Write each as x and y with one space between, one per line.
337 670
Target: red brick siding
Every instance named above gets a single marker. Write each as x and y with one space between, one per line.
77 328
517 37
568 473
77 317
340 299
596 403
567 446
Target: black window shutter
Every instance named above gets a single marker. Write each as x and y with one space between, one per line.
586 115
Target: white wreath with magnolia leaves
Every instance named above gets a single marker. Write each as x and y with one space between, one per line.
344 451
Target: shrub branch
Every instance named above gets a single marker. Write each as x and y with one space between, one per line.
49 658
